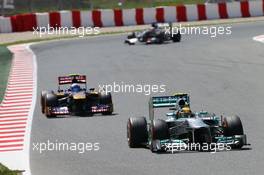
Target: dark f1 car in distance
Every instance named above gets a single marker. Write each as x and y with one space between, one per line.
158 34
75 100
183 127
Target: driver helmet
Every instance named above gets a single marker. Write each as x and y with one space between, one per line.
186 111
75 88
181 103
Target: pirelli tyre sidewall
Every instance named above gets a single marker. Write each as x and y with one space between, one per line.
51 100
233 126
42 101
137 133
176 37
106 99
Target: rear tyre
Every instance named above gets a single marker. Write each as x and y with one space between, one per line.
51 100
106 99
137 133
42 101
233 126
176 38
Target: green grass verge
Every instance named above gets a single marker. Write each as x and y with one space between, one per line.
5 171
5 63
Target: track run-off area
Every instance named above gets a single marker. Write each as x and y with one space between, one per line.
222 75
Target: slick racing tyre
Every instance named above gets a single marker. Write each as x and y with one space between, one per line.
233 126
42 101
137 133
177 37
106 99
51 100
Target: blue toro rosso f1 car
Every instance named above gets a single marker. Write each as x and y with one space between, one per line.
76 99
183 129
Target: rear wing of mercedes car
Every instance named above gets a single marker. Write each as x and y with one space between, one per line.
165 102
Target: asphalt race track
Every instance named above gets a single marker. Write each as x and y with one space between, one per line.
223 75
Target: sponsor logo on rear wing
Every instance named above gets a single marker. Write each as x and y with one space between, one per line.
167 101
164 101
81 79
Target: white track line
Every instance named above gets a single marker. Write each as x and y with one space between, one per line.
259 38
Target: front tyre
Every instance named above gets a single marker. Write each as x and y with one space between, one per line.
233 126
51 100
137 133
